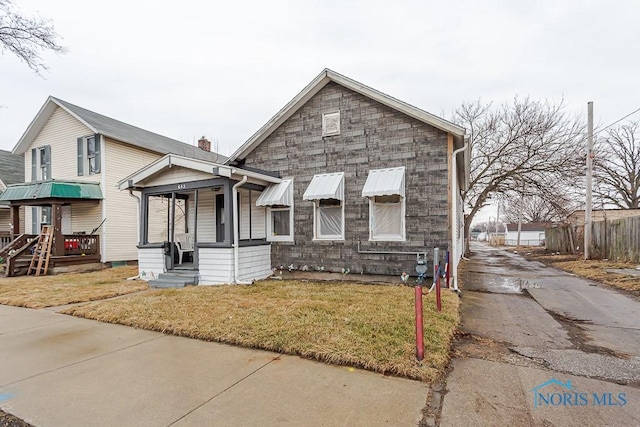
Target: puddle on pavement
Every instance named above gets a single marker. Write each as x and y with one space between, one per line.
502 285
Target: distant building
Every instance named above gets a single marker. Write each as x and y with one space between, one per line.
531 234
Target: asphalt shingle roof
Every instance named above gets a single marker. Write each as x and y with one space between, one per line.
139 137
11 167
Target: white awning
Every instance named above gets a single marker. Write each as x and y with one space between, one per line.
384 182
277 194
325 186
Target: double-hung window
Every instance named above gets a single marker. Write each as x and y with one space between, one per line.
278 198
327 193
89 155
385 190
41 163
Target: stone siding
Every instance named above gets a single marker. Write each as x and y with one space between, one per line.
372 136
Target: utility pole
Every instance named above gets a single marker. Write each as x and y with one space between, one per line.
588 208
520 214
498 219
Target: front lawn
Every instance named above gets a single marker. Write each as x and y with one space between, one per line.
366 326
61 289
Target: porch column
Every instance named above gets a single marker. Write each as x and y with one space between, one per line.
15 221
228 211
58 237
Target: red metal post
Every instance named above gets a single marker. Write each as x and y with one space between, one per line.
438 299
419 325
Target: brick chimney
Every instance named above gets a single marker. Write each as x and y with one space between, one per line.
204 144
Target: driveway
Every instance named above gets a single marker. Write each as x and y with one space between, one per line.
526 325
59 370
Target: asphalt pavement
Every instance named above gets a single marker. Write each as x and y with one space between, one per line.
541 347
58 370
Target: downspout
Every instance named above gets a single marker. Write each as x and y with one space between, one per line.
236 232
454 219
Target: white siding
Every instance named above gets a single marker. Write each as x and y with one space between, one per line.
258 214
85 217
215 265
61 133
121 226
150 262
206 216
255 263
258 221
176 175
5 220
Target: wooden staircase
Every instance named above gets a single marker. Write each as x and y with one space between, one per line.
42 252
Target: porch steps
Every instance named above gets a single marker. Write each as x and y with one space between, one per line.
175 279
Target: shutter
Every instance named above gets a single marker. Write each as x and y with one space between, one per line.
97 150
34 221
34 164
47 156
80 156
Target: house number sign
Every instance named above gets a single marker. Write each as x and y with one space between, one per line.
182 186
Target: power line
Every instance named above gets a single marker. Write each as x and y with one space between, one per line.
617 121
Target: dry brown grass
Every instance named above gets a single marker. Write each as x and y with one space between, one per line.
593 269
367 326
61 289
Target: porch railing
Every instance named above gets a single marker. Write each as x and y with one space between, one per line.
81 244
5 238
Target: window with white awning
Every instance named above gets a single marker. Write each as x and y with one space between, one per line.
385 190
278 198
327 193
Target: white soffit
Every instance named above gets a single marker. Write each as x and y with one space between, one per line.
325 186
384 182
277 194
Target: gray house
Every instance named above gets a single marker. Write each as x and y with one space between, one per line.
368 181
343 178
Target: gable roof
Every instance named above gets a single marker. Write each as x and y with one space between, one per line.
12 170
321 81
113 129
134 180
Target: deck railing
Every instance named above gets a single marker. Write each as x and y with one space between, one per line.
81 244
5 238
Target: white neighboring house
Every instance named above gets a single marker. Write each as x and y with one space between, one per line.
73 160
531 234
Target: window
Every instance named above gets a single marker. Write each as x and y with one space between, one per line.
385 190
386 216
89 155
41 163
331 124
327 193
278 198
329 219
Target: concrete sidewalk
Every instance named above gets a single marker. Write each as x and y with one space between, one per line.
59 370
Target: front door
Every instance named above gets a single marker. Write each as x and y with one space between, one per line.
220 218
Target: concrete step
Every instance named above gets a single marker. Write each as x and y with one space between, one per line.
173 279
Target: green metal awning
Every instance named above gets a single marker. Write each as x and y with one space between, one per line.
52 190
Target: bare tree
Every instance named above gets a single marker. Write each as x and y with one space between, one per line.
538 207
617 167
27 37
534 142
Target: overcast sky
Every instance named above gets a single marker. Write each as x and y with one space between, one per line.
189 68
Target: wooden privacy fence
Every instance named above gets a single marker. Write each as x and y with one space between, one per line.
560 239
615 240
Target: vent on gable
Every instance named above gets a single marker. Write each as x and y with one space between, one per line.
331 124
